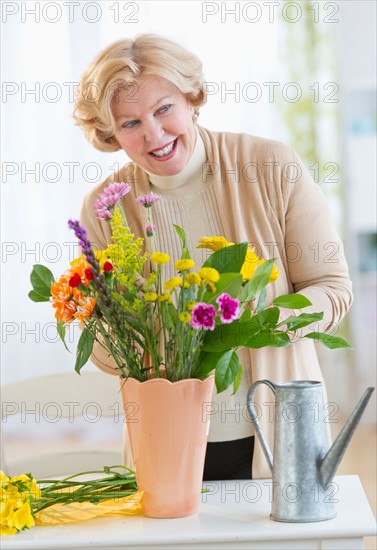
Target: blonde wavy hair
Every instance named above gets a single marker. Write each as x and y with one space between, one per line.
120 65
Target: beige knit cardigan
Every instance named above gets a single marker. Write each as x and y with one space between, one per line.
265 196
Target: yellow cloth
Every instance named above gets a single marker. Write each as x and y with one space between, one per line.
60 514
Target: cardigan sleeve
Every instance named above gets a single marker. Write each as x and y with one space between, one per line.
315 256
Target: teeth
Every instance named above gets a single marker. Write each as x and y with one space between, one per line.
165 151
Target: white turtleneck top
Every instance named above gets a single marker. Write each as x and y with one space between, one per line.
188 202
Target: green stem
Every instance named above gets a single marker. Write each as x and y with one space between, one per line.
86 491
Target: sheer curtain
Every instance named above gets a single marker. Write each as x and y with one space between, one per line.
48 166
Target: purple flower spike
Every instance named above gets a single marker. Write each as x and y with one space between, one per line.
109 197
148 200
84 242
203 316
229 307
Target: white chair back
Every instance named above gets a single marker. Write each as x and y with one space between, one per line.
82 401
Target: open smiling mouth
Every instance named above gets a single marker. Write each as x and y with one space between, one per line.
166 152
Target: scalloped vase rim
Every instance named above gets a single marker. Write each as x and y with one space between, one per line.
164 380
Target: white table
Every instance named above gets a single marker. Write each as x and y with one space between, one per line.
235 514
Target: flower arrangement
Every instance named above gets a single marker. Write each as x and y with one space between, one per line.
23 499
186 327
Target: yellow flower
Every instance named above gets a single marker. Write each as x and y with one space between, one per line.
208 274
102 256
185 317
3 478
193 278
184 265
172 283
150 296
22 517
213 243
165 297
160 258
274 273
5 530
190 305
250 264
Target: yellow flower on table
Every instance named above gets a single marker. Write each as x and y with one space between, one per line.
22 517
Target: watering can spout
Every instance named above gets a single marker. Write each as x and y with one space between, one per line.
330 462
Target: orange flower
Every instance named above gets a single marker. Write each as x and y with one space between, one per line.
85 308
65 312
64 298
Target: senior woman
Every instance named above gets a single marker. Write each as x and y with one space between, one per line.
143 96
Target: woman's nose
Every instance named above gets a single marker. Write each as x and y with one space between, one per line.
153 130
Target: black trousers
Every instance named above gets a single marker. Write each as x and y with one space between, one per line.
229 460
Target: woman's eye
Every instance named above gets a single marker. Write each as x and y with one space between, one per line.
130 124
166 108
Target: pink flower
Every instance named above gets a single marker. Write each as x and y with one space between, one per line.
148 200
117 188
109 197
102 212
203 316
229 307
149 229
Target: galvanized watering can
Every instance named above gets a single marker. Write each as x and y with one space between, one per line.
304 463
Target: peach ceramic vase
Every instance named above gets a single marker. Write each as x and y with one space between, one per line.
168 428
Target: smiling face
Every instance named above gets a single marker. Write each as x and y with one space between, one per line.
154 125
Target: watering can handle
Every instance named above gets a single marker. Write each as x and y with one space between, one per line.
254 418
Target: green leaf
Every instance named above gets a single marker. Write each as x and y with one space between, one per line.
246 315
84 349
267 338
237 380
182 235
206 364
228 259
229 283
262 300
169 316
279 339
331 342
226 370
60 326
41 280
267 318
225 337
294 322
292 301
258 281
37 297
